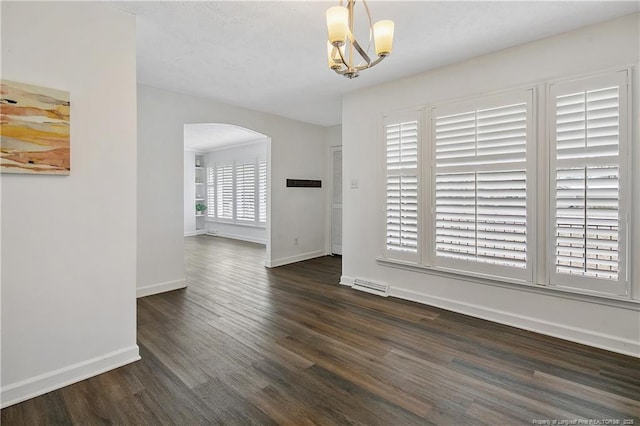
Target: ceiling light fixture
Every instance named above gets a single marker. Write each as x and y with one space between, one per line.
343 46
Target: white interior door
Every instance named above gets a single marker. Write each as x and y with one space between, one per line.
336 207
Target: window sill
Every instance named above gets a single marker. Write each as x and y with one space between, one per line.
245 224
602 299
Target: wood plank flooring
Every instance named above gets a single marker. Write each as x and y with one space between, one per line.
248 345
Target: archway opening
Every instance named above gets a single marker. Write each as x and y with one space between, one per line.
226 183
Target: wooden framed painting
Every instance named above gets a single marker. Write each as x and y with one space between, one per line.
34 129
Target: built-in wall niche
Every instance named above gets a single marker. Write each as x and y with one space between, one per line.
200 205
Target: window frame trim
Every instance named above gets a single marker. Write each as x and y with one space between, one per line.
479 269
407 114
623 287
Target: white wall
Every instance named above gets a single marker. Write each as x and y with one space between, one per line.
297 151
189 193
334 136
614 326
247 152
69 242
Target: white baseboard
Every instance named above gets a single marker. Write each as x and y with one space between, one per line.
194 233
238 237
152 289
578 335
573 334
47 382
293 259
348 281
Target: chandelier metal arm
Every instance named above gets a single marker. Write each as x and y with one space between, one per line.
360 50
369 65
344 61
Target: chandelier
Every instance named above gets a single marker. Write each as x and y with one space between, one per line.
345 55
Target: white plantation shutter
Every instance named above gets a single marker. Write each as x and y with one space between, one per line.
246 192
401 142
211 191
588 145
237 193
482 161
262 192
224 192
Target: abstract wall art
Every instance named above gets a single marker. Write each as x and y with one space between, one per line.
34 129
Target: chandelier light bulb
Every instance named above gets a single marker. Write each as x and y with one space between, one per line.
333 57
383 36
337 24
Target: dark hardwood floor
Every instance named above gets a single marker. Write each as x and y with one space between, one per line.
248 345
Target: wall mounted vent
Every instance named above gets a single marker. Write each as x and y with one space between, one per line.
371 287
304 183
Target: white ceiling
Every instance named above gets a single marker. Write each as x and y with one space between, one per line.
270 56
203 137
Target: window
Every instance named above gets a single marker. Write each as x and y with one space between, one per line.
588 138
476 174
211 191
262 192
246 192
401 136
481 185
224 192
232 192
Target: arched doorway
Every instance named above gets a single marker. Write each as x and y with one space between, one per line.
226 183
